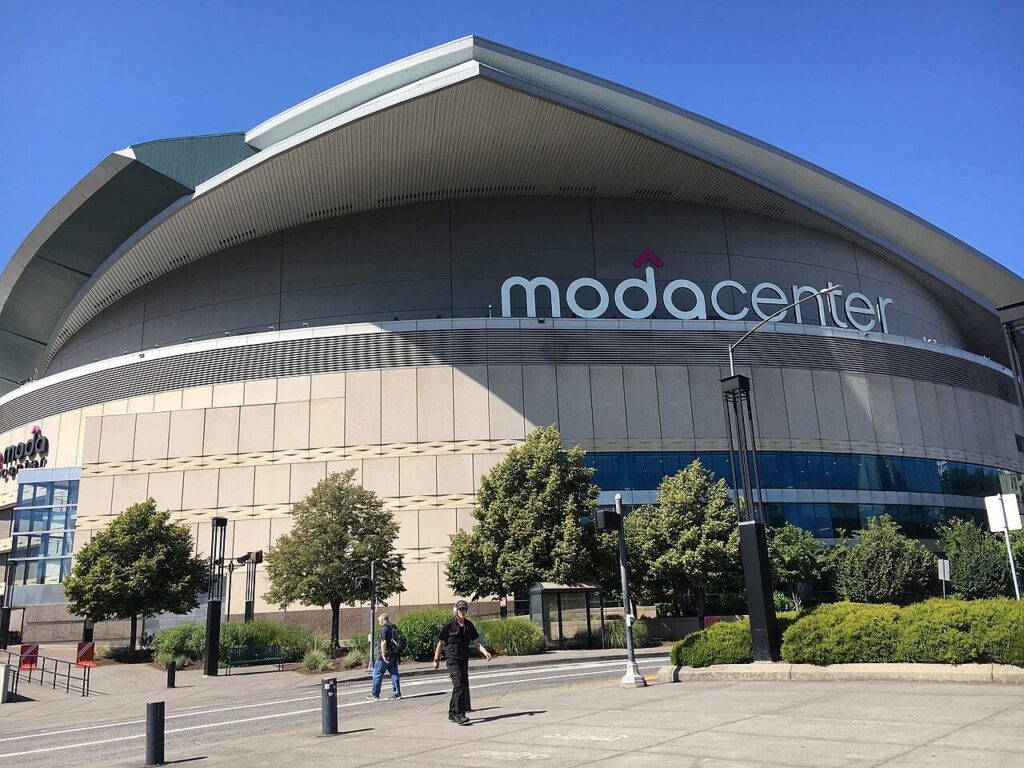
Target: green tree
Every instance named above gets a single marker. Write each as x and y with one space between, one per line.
139 565
796 556
978 567
528 528
884 566
340 527
689 540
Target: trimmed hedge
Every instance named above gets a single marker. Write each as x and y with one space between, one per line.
931 632
936 631
421 629
843 633
511 637
188 641
725 642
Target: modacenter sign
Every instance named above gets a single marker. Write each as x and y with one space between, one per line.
637 298
31 453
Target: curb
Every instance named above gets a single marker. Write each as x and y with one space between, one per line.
525 662
907 673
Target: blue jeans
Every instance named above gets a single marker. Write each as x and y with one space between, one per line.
379 668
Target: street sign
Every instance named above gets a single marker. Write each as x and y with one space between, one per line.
1003 512
1004 516
944 570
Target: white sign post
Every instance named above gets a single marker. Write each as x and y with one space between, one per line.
943 574
1004 515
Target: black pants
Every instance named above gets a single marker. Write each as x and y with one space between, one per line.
458 669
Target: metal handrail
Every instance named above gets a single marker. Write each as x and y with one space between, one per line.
73 677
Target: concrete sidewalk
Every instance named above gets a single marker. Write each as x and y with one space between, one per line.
125 688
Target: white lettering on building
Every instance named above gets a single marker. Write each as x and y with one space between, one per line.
637 299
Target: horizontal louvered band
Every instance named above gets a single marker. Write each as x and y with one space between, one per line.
512 346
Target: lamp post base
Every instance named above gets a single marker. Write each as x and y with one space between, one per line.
632 678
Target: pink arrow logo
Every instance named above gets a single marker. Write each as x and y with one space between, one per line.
648 256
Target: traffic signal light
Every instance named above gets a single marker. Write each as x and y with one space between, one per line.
607 520
363 583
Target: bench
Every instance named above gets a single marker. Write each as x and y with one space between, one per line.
252 655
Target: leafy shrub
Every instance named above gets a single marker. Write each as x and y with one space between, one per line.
316 660
512 637
185 640
884 566
936 631
421 629
292 639
360 643
615 634
977 560
996 630
842 633
727 642
783 602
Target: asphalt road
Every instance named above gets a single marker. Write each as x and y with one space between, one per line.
193 730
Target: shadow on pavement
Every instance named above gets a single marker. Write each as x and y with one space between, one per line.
492 718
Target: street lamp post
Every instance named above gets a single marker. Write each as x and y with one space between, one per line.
632 678
218 533
746 482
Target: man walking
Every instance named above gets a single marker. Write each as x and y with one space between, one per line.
455 638
386 660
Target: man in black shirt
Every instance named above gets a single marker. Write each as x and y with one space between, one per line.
455 638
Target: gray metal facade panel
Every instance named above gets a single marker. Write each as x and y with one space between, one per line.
504 142
702 351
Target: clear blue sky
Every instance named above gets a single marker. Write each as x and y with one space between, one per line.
919 102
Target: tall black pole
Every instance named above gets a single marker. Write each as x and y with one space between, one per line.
219 526
373 620
632 678
750 513
255 558
5 605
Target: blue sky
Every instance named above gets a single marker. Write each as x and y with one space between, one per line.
919 102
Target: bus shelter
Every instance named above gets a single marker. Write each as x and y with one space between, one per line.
570 615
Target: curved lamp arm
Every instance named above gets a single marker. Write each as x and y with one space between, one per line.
771 317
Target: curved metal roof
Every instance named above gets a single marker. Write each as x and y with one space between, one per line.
469 118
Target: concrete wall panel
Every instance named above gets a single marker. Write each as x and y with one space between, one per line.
472 420
609 401
435 404
398 406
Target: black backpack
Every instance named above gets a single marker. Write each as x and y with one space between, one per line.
397 642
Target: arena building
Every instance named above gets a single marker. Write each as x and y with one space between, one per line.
405 274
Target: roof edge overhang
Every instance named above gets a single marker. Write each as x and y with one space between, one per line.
109 167
892 227
859 211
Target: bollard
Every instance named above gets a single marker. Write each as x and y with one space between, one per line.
155 733
329 707
170 673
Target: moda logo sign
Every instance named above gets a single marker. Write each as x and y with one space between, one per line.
683 299
31 453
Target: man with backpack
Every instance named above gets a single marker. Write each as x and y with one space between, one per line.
389 649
